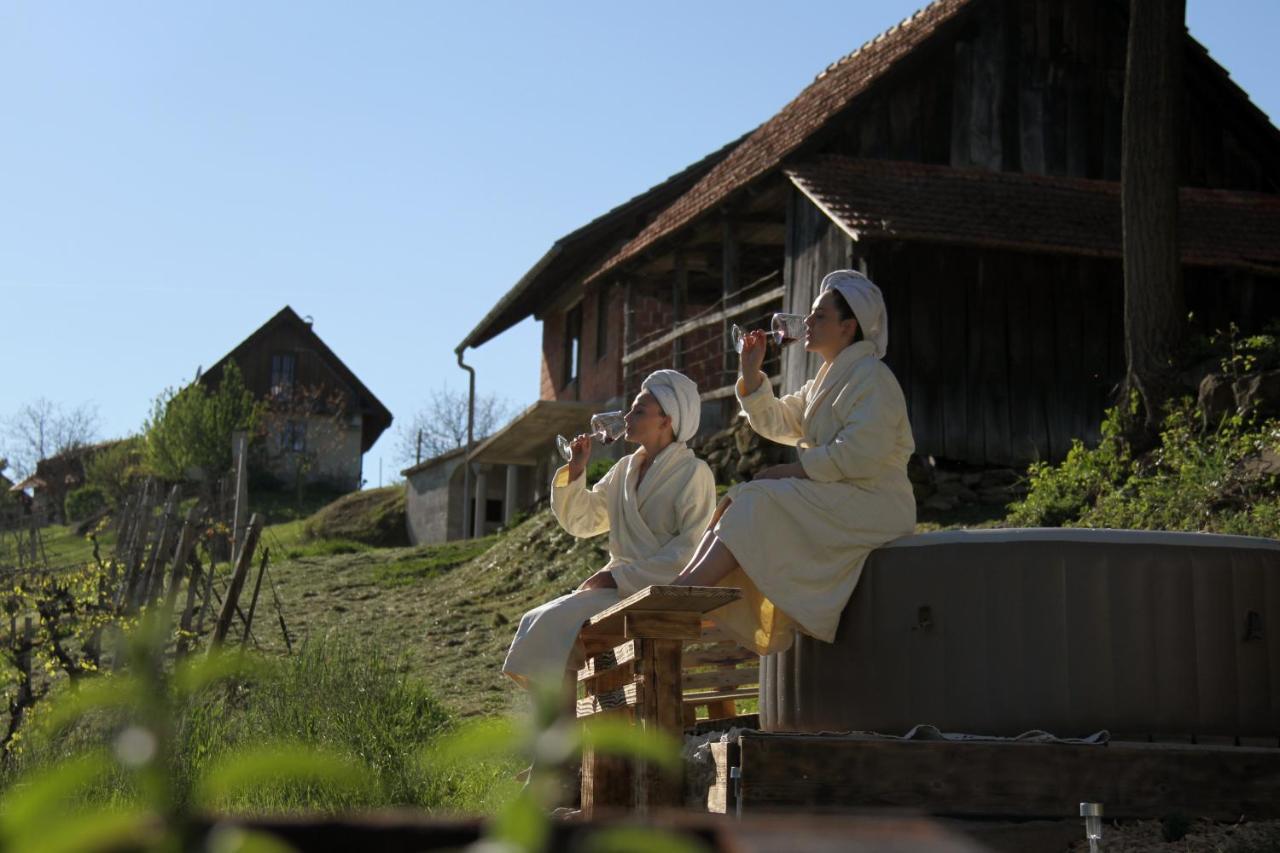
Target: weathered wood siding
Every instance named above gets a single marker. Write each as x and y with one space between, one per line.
1004 357
1036 86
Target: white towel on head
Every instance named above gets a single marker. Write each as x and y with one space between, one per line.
867 303
677 394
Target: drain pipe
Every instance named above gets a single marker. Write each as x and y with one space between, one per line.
467 513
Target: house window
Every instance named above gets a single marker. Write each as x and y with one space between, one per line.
283 370
294 436
572 344
493 511
602 322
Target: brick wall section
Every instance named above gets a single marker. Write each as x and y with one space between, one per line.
601 377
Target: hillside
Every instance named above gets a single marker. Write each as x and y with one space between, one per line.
447 611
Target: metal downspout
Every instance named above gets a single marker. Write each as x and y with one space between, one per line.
467 512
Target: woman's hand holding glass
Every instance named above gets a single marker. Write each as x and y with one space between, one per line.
754 344
579 455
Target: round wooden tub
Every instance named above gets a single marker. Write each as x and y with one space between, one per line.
1071 631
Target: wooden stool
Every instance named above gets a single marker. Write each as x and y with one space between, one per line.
639 679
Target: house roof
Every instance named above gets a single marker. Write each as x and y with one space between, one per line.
882 199
583 248
376 417
433 461
766 148
529 435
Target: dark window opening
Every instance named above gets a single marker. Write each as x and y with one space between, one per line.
294 436
283 370
572 344
493 511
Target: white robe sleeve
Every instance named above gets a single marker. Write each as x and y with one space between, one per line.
867 437
694 503
777 419
582 512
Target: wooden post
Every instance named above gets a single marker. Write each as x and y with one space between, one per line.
728 290
239 451
184 623
253 602
679 296
659 709
243 558
482 487
186 542
159 551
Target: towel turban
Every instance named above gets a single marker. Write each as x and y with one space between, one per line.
677 394
867 303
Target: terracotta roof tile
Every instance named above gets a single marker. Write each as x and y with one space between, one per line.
883 199
764 149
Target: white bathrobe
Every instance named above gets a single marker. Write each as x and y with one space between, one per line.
653 531
801 542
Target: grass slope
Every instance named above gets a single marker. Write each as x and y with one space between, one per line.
445 611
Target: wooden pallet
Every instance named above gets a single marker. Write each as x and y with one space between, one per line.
638 677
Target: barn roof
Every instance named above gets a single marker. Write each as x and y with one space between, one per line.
584 248
765 149
884 199
375 416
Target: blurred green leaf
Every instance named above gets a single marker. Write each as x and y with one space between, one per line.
522 823
104 693
280 764
226 838
478 741
197 673
27 806
638 839
617 737
86 832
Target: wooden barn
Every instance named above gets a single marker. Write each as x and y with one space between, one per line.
321 419
968 161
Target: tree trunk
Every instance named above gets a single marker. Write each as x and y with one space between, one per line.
1154 306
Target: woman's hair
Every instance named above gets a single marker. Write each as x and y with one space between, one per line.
846 313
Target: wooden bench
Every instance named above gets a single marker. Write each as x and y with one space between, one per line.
635 671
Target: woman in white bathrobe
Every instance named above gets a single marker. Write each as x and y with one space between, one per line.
795 538
655 504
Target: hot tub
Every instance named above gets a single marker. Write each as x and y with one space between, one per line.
1070 631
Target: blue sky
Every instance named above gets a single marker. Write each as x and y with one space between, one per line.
171 174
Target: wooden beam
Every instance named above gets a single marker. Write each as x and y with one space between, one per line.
688 599
722 677
661 626
710 319
1009 778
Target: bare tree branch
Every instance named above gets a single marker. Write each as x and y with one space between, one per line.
442 422
42 429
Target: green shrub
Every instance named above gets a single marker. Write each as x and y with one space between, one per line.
84 502
116 468
1220 478
597 468
190 429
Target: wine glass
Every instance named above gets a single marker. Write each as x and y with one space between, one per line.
784 329
606 427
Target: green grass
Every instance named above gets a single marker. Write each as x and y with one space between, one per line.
348 699
59 544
